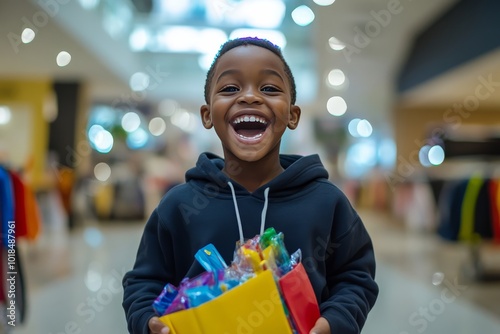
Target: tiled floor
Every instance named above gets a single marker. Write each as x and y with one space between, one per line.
74 283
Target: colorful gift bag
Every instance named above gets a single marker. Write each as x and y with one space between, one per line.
252 307
300 299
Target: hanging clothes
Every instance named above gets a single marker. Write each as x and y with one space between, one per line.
450 207
20 205
26 214
469 210
467 224
494 191
6 204
19 218
483 223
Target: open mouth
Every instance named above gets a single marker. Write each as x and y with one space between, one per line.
250 126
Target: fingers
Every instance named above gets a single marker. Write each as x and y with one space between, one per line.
321 327
157 327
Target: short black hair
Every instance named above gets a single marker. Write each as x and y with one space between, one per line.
263 43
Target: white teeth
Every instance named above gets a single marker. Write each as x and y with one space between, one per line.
251 138
249 119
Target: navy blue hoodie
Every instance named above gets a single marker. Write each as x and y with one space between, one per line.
313 214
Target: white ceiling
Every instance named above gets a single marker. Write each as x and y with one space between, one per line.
107 64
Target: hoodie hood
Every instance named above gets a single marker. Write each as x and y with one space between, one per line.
298 172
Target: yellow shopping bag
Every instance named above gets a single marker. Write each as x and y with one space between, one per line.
252 307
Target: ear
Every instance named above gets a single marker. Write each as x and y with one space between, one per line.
206 116
293 121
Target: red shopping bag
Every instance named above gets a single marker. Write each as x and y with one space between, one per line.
300 299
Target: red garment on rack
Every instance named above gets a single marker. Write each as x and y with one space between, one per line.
20 207
495 209
26 214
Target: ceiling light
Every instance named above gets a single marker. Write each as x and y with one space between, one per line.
324 2
178 38
210 40
263 13
189 39
302 15
63 58
139 39
216 10
27 35
336 44
139 81
118 19
131 121
364 128
336 77
336 106
176 10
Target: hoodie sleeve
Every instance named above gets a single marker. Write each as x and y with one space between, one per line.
152 269
350 274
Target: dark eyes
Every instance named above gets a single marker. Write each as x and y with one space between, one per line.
233 89
229 89
270 89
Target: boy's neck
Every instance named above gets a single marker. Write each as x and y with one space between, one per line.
252 175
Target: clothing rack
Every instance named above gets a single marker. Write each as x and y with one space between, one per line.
19 219
469 207
469 212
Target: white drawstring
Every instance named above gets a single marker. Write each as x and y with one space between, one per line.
264 211
242 240
263 216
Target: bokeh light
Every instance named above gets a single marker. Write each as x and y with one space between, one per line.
63 58
27 36
303 15
102 171
131 121
336 106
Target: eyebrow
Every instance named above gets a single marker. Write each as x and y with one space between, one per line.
225 73
272 72
265 71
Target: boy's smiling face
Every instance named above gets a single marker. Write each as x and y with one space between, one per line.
250 103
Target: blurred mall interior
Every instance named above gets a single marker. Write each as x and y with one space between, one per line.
99 117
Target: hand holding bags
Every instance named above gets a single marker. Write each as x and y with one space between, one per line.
265 290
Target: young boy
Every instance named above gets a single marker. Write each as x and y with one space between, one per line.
250 101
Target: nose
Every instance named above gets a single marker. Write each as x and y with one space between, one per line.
250 95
